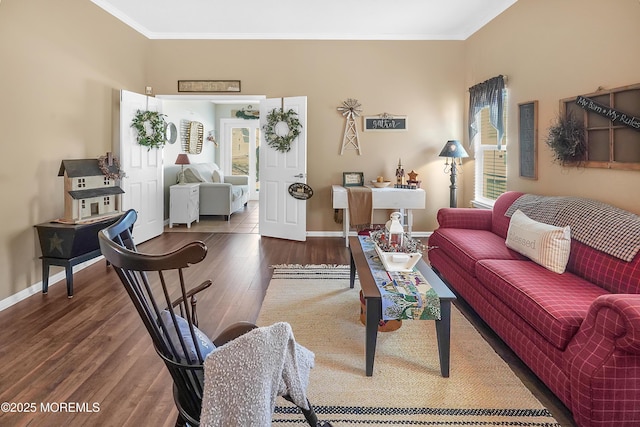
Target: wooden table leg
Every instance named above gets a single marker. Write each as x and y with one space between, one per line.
45 277
345 226
69 273
443 332
374 314
352 272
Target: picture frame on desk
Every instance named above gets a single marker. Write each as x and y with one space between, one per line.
352 179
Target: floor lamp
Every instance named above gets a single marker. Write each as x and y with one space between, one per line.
453 150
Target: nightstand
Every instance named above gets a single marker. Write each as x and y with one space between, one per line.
184 204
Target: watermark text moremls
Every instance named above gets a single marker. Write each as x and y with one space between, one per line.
69 407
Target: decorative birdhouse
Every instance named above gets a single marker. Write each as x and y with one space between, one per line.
90 188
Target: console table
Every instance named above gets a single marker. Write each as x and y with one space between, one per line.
400 199
66 245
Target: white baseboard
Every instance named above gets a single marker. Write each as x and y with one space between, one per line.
54 279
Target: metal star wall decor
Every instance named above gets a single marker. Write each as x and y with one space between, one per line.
350 109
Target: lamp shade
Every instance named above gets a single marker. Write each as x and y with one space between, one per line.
182 159
454 149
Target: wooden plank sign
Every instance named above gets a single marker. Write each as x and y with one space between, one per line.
384 122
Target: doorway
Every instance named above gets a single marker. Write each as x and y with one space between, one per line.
239 151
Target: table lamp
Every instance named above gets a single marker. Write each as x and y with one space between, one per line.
453 150
182 160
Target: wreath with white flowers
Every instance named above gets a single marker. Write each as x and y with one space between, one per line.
151 128
281 129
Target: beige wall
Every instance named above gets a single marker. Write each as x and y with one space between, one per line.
62 63
551 50
423 80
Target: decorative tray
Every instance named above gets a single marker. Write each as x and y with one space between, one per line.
395 257
398 261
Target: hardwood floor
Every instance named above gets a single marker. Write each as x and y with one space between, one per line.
92 350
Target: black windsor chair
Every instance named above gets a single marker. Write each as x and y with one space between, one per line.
168 310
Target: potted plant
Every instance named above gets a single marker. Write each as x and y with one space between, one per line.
567 139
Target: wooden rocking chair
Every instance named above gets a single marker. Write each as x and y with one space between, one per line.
168 310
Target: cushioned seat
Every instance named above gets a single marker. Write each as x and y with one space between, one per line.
469 246
220 194
539 296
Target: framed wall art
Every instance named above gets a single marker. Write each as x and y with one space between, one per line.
528 139
352 179
208 85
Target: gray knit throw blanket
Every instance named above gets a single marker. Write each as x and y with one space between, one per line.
243 377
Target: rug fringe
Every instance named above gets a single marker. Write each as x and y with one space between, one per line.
305 266
310 271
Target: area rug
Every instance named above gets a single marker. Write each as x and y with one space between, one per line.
406 387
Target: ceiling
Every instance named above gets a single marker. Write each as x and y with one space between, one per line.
305 20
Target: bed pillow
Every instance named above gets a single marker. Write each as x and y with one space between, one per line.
544 244
204 343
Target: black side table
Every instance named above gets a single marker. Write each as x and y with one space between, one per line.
66 245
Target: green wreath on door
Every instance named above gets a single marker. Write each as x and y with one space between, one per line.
151 128
281 129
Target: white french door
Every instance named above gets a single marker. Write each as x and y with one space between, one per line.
239 146
282 215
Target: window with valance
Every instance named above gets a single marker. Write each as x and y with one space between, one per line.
487 94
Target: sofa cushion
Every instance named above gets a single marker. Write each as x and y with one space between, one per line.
217 176
554 305
192 176
205 170
545 244
613 274
468 246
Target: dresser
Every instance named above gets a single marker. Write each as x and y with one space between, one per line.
184 204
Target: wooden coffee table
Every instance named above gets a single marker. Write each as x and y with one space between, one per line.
373 303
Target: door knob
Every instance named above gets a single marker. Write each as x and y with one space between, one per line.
300 175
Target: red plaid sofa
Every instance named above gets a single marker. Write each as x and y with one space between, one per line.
578 331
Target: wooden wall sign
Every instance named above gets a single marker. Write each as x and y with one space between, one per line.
616 117
528 139
208 85
385 122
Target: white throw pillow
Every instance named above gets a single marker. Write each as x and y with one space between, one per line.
544 244
191 175
205 170
218 176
